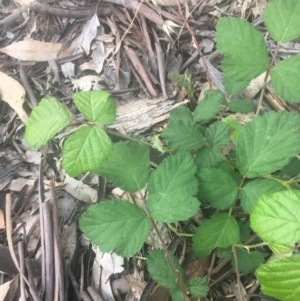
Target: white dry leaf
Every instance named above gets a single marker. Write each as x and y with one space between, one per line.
80 191
88 34
68 69
13 93
33 50
24 3
105 265
87 83
5 288
255 86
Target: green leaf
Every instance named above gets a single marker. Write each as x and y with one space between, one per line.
46 120
267 143
161 271
128 166
85 150
198 287
280 278
218 186
217 135
171 189
243 106
117 226
254 189
220 231
208 157
182 133
282 19
247 261
96 106
245 52
275 218
292 168
209 106
285 79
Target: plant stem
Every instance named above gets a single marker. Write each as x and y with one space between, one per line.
179 281
117 134
262 93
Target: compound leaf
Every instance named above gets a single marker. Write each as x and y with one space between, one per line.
285 79
171 189
46 120
218 186
267 143
198 287
280 278
275 217
85 150
182 133
243 106
96 106
254 189
161 271
128 166
209 106
245 52
220 231
282 19
117 226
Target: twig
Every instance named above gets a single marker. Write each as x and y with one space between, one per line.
140 69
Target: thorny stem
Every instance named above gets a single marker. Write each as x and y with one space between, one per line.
181 284
285 184
262 92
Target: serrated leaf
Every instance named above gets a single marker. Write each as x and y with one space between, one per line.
282 19
85 150
280 278
198 287
208 157
47 119
117 226
209 106
275 217
219 187
245 52
243 106
96 106
217 135
182 133
254 189
128 166
220 231
285 79
171 189
161 271
267 143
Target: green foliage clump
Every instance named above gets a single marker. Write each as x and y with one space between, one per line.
245 173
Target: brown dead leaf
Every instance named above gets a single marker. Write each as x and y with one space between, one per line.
13 93
32 50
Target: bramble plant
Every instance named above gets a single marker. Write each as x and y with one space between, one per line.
247 173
